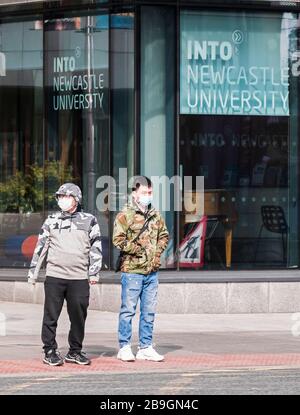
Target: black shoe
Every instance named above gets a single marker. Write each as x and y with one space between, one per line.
77 357
53 358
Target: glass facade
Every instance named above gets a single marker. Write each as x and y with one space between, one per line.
238 132
77 108
176 93
122 109
21 140
157 145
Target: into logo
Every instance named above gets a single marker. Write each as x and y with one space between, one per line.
237 37
209 49
2 64
77 52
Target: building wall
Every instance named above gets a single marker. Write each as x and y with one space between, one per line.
247 159
182 298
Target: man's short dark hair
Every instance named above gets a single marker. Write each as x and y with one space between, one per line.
141 181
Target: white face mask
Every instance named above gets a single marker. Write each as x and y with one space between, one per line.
65 203
145 200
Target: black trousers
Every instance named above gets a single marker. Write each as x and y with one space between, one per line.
76 293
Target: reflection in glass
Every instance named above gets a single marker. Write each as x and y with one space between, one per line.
122 107
239 131
157 109
21 141
77 133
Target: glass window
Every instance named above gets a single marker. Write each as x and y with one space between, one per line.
122 108
157 110
77 131
239 130
21 140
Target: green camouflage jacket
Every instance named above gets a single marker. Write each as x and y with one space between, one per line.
140 256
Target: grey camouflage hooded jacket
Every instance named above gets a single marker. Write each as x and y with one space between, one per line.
71 245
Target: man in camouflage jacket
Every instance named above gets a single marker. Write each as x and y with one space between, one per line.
70 243
140 264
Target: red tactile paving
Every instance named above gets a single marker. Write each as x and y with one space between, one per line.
190 362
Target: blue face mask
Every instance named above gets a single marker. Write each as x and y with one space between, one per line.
145 200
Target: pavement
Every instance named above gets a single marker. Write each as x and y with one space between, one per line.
190 342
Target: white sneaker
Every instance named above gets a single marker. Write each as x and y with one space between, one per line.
125 354
149 353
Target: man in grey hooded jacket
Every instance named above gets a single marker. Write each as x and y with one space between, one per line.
70 242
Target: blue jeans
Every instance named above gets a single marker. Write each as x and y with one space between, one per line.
135 286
